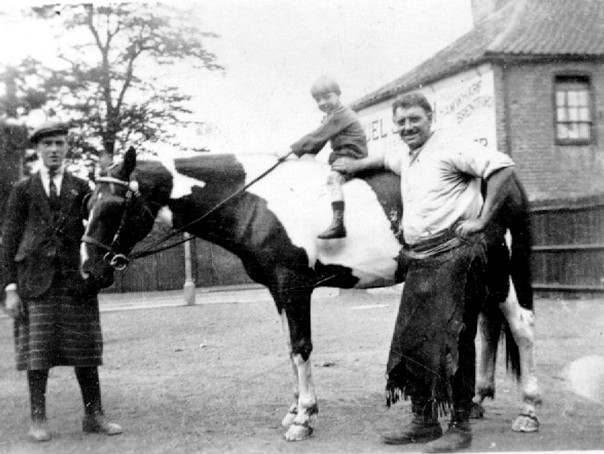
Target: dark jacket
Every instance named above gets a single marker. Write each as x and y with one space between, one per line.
345 132
41 246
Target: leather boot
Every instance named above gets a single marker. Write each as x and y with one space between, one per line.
423 427
458 436
336 229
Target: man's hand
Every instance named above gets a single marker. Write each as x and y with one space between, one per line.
470 227
12 304
345 165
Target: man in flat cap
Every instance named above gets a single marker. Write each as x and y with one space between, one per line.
56 314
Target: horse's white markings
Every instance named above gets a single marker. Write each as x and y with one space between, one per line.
83 258
165 216
182 185
368 306
296 193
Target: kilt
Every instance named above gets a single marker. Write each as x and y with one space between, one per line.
59 329
432 353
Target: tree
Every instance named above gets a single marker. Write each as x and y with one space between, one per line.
101 82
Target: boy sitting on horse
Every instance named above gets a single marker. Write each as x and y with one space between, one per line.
342 128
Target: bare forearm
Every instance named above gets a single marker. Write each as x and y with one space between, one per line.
354 166
497 190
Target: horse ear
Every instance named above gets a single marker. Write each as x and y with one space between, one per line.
129 161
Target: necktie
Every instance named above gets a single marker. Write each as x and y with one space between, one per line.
53 195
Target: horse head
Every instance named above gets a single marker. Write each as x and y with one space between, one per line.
119 217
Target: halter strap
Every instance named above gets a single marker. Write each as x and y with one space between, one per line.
151 251
113 180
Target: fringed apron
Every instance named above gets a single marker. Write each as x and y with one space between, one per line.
443 292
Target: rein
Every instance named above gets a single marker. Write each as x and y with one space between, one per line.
119 261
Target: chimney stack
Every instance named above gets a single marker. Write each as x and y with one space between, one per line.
481 9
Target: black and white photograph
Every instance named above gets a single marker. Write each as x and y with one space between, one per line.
279 226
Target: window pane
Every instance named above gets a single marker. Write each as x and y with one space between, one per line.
562 132
573 114
584 131
573 131
584 114
561 114
573 98
560 98
583 100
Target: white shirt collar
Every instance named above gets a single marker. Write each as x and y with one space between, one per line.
45 173
58 178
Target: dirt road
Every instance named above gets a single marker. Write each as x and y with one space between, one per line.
215 378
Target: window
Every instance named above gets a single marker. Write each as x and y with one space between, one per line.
573 110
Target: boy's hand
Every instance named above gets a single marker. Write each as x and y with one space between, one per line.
345 165
284 154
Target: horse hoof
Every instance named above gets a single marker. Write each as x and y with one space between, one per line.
298 432
288 420
526 423
476 411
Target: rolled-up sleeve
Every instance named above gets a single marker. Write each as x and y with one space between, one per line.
478 161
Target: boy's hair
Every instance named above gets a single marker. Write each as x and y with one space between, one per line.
325 84
410 100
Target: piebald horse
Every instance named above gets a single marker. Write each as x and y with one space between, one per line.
272 226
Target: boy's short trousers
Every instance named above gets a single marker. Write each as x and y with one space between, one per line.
346 152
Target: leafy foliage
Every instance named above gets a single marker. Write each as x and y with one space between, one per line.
101 78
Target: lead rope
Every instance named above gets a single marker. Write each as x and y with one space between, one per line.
148 251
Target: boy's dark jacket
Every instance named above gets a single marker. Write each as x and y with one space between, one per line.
343 129
38 245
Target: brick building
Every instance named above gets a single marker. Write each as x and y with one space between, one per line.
527 80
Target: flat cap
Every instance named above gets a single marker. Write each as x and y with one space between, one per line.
47 129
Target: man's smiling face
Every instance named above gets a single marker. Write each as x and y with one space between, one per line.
413 124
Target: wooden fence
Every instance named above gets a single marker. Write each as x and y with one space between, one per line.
568 250
213 266
568 255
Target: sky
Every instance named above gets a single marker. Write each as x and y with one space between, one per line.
273 50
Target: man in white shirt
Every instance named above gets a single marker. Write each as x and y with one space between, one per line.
432 356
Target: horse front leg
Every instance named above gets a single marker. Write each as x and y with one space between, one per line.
489 328
293 409
295 307
522 322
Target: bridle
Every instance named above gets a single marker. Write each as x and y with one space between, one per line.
116 259
120 261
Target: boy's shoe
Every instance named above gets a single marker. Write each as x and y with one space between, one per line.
97 423
414 432
333 232
38 431
458 436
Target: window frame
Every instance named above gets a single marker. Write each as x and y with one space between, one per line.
586 79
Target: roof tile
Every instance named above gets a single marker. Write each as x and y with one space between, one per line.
565 28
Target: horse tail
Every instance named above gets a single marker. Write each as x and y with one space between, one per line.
512 352
519 225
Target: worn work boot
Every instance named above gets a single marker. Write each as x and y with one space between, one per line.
97 423
38 431
458 436
336 229
414 432
423 427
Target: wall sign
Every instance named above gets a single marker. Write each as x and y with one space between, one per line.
464 103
